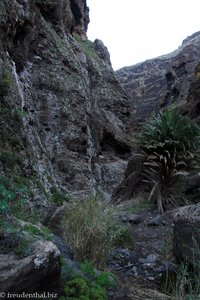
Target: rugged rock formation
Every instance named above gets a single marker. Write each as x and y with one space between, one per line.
74 114
152 85
163 81
186 233
26 274
63 124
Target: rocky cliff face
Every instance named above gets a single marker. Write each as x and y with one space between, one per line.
59 98
163 81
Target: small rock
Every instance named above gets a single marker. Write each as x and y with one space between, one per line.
141 260
131 218
124 219
134 219
151 258
157 221
134 271
151 278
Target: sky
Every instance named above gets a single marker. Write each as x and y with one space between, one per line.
136 30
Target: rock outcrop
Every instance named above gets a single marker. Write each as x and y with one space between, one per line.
64 120
29 273
171 80
186 233
74 114
167 80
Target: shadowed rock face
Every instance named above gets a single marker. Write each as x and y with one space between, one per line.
75 113
159 82
186 233
26 274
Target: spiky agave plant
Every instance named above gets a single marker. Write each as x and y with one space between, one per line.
169 144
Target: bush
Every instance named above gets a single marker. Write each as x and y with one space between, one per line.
89 286
9 159
91 229
6 81
13 239
168 146
58 197
5 197
14 195
76 288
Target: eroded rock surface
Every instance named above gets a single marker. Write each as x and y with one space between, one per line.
159 82
30 273
75 113
186 233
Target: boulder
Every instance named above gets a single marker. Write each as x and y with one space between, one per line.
31 273
187 233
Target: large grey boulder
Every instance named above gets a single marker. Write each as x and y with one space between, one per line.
30 273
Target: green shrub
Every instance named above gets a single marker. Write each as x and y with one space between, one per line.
13 240
168 146
97 292
91 228
9 159
89 286
18 115
6 81
5 197
76 288
14 197
104 279
58 197
9 139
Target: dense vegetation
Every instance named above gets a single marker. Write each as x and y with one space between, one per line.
168 147
92 228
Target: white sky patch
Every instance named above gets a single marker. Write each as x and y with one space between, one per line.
136 30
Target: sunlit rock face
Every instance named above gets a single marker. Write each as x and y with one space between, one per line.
163 81
75 113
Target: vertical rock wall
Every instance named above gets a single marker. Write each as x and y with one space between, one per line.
74 112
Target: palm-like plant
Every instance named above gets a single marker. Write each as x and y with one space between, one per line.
168 145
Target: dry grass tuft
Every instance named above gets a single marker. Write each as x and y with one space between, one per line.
91 229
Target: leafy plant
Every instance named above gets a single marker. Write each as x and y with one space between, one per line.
5 197
6 81
18 115
76 288
9 159
168 146
58 197
91 228
14 197
12 239
89 285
